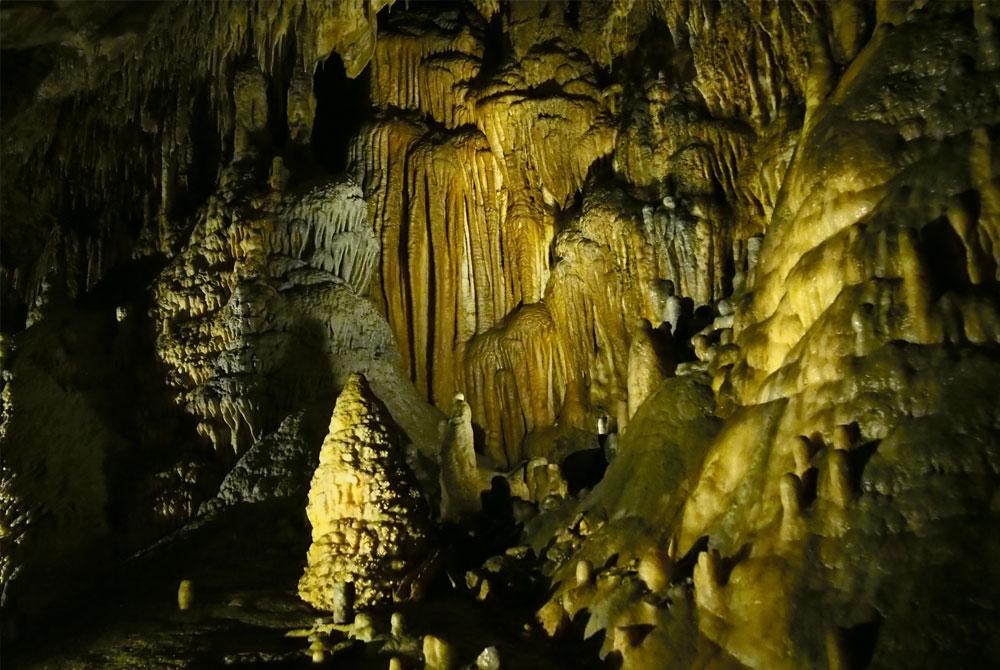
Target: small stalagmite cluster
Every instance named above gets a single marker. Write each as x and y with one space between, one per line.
370 525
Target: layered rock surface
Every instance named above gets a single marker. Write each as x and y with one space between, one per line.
468 194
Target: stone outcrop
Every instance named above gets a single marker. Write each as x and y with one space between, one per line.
276 467
291 261
53 503
836 444
370 525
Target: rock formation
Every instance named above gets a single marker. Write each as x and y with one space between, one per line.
459 473
285 262
370 525
216 213
649 363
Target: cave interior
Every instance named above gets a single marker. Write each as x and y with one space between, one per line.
637 334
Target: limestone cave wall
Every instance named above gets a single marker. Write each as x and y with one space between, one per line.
752 245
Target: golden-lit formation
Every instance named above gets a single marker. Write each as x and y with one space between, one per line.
369 523
500 334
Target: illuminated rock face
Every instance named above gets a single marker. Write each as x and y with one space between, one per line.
461 212
485 290
851 298
369 522
805 192
270 287
488 122
856 345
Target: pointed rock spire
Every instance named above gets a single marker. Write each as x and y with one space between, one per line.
370 524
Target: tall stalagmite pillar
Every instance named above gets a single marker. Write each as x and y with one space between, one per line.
370 524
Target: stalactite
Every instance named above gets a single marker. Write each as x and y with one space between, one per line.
429 68
521 364
455 259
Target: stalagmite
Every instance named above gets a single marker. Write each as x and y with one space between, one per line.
792 526
488 659
655 569
317 652
397 624
342 601
459 474
544 479
301 107
801 453
584 572
671 307
837 657
835 483
250 97
185 595
363 627
438 654
708 590
369 522
843 437
648 363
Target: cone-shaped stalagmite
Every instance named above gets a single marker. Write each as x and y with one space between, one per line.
369 522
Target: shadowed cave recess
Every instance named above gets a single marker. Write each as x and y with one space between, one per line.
491 334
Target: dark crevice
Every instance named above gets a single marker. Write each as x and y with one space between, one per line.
807 492
202 173
496 46
572 14
124 283
859 643
584 469
342 106
611 562
944 253
857 459
684 568
277 95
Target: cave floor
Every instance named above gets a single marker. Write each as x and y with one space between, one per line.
253 636
246 603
